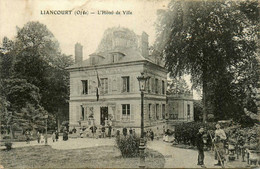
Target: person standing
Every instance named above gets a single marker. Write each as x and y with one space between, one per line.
200 146
42 138
93 130
38 137
109 130
151 134
27 135
103 130
57 135
219 139
53 136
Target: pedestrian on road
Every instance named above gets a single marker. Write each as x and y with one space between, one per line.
42 138
53 136
103 130
219 139
27 135
151 134
38 137
200 146
57 135
93 130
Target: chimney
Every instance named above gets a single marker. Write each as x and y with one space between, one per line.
78 53
144 44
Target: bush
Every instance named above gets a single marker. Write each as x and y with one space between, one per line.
6 137
186 133
128 146
8 145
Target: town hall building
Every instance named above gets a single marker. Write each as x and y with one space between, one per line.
104 88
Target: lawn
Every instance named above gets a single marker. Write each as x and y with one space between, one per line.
96 157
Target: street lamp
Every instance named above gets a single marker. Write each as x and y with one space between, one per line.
46 138
142 86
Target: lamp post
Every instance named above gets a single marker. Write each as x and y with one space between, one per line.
46 138
142 86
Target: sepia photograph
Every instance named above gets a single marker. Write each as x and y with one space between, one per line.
129 84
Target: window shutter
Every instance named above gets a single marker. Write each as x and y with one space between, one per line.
79 87
153 111
118 114
151 81
78 112
131 81
159 86
119 84
90 87
132 112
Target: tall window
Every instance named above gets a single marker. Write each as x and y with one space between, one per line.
163 111
156 85
163 89
104 85
82 113
126 86
84 86
157 111
188 111
125 110
149 110
148 86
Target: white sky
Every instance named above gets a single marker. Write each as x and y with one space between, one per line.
87 30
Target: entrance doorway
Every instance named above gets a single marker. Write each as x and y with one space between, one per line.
103 115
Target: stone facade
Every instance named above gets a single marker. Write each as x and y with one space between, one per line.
118 61
180 109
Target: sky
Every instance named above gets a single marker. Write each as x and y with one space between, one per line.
85 29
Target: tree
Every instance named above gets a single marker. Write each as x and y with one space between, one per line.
177 86
214 42
41 63
6 58
33 76
21 108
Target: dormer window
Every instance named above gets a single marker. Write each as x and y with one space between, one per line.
116 56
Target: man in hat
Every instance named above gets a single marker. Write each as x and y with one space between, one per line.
200 146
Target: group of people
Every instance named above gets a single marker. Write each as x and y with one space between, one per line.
218 142
96 132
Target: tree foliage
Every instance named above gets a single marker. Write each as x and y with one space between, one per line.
214 42
33 75
178 86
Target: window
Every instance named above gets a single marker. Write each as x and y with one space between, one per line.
82 113
163 111
156 85
125 109
84 86
114 58
188 111
157 111
148 86
126 86
149 110
104 85
163 89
